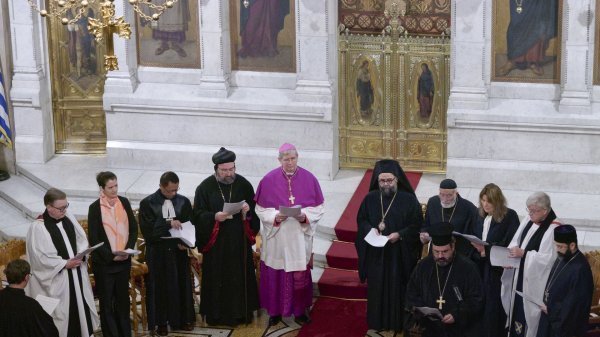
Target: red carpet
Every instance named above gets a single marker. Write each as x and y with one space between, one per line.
333 318
339 316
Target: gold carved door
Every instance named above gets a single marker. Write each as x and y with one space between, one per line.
393 100
76 66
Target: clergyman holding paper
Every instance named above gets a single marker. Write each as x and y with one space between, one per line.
229 292
287 240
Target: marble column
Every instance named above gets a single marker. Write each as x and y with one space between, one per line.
124 80
577 56
216 54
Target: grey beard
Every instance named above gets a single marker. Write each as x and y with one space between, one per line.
226 180
389 191
449 205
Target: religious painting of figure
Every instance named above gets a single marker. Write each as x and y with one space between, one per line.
263 36
364 91
425 92
526 41
173 40
81 50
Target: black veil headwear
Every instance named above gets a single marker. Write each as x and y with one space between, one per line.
393 167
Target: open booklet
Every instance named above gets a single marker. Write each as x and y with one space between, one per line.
432 313
472 238
499 257
83 253
127 251
49 304
290 211
187 234
375 239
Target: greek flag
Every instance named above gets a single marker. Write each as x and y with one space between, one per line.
5 134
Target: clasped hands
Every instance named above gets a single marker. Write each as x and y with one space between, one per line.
222 216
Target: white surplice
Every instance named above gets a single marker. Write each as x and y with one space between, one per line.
49 278
288 246
535 274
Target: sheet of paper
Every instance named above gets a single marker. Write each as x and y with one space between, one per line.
127 251
82 254
529 298
187 234
430 312
290 211
233 207
375 239
49 304
499 257
472 238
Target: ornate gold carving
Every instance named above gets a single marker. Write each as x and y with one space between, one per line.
105 28
396 129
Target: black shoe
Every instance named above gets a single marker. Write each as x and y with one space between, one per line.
273 320
302 319
162 330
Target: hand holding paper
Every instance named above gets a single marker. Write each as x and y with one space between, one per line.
233 208
187 234
500 257
293 211
127 252
375 239
82 254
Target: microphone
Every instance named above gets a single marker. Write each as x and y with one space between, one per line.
457 293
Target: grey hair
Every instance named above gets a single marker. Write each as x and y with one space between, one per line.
539 199
285 153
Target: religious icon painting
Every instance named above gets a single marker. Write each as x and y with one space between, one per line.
173 41
263 35
424 92
526 43
367 92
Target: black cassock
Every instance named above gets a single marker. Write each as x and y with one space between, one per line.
23 316
569 298
169 282
462 216
229 292
387 269
499 234
424 291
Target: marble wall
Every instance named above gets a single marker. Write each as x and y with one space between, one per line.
523 136
167 118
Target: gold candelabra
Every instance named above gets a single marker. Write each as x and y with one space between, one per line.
103 28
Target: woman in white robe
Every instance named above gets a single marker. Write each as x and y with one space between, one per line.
52 243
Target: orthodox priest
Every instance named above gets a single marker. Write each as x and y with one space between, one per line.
449 206
390 209
169 284
533 243
52 243
229 292
22 316
569 289
285 279
449 282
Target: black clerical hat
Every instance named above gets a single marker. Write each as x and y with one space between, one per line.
565 234
223 156
441 233
393 167
448 184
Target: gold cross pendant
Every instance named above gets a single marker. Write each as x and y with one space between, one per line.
440 302
103 29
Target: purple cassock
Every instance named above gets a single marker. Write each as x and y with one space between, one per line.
287 293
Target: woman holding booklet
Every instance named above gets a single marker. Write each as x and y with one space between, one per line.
111 220
496 225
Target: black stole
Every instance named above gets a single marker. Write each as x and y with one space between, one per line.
56 236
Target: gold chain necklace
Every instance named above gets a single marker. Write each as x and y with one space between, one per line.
441 300
553 278
451 214
383 214
289 180
220 190
519 4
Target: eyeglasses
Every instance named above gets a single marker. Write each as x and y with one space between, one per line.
533 211
387 181
62 209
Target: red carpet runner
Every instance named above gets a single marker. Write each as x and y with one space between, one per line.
343 309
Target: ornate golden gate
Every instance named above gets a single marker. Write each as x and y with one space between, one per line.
393 100
76 67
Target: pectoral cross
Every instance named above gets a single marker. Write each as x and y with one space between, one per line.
103 29
440 302
292 198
